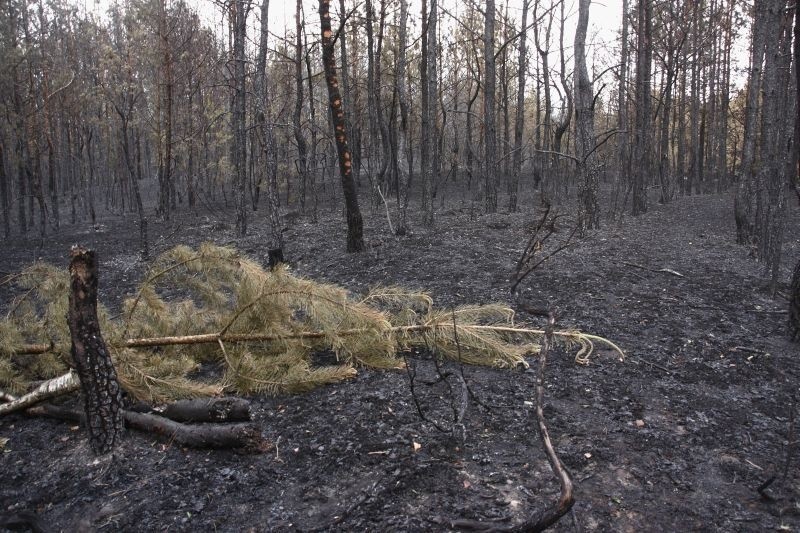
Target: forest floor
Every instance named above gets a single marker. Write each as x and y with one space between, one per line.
677 437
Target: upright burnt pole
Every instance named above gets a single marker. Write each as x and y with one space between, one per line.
355 224
101 391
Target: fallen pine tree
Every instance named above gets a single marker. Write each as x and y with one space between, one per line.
262 327
214 305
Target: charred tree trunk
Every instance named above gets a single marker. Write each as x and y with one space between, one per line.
355 224
641 146
623 160
519 119
489 112
404 169
239 17
265 133
101 391
745 200
775 146
4 192
794 305
302 145
589 211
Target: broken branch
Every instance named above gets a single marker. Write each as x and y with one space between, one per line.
49 389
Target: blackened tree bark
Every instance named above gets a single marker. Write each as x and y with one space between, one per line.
588 211
239 9
266 135
544 130
403 149
641 146
302 144
4 191
795 175
794 305
563 125
775 146
428 79
489 111
355 224
519 119
623 148
101 391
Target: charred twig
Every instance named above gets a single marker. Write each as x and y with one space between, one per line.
465 392
411 371
567 499
791 443
531 258
664 270
388 215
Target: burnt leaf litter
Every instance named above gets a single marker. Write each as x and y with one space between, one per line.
677 437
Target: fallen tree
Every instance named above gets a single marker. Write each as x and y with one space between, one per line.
262 326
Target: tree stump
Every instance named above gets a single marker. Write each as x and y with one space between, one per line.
794 305
101 391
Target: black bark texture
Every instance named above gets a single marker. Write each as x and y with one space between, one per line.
794 305
101 391
355 224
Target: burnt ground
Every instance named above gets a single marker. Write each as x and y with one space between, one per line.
678 437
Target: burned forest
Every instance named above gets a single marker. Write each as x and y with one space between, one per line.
400 265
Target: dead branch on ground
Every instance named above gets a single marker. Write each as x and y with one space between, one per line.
246 436
664 270
241 435
208 410
791 444
51 388
566 500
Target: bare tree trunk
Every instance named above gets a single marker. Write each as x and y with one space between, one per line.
588 211
101 392
4 191
403 147
641 145
695 168
302 144
266 135
623 139
428 96
566 120
794 302
775 148
519 119
744 203
355 225
239 10
489 112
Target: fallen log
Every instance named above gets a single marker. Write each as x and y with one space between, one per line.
245 436
216 436
208 410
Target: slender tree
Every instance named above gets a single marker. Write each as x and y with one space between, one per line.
589 211
640 170
239 11
519 119
355 225
489 111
